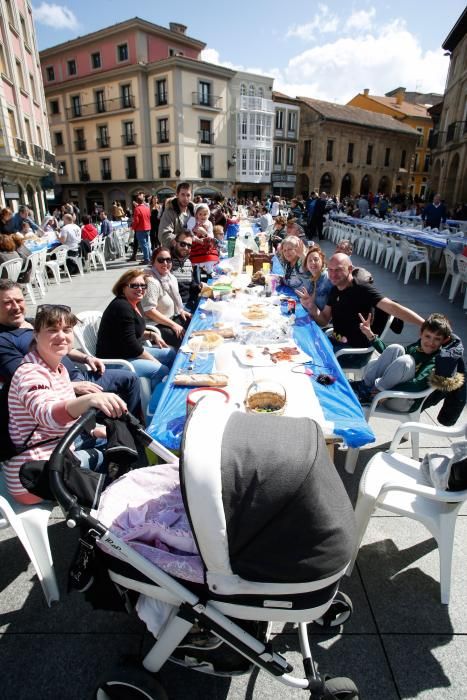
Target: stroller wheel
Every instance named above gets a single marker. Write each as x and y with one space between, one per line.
129 683
342 688
339 612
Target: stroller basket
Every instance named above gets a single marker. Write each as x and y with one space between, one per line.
238 496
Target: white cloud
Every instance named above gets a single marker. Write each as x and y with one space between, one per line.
324 22
55 16
361 20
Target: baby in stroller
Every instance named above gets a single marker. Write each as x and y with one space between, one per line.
233 537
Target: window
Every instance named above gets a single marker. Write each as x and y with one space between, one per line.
128 136
39 135
163 130
61 167
243 89
290 156
126 96
279 119
415 163
206 166
83 170
306 152
12 122
54 107
204 93
33 87
369 154
71 66
277 155
96 60
330 150
292 121
105 169
122 52
251 91
103 140
387 157
164 165
80 141
205 135
243 126
28 130
426 164
100 101
350 148
403 159
24 31
260 92
19 73
50 73
9 11
58 137
131 171
161 92
76 106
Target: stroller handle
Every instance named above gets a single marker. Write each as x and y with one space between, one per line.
65 499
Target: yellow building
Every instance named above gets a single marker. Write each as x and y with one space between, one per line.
412 114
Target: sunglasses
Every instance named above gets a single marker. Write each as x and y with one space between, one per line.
164 260
137 285
48 307
182 244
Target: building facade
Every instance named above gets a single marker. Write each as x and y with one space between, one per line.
449 141
26 157
286 135
414 114
346 150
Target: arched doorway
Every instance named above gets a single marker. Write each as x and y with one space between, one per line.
365 184
449 194
326 183
117 195
346 186
165 193
93 198
303 184
384 185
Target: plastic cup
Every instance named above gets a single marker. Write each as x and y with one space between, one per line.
249 270
266 267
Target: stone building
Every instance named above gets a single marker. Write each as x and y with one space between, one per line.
286 135
449 140
26 158
347 150
412 113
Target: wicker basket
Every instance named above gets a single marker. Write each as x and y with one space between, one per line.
265 400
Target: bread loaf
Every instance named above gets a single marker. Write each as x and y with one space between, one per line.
201 379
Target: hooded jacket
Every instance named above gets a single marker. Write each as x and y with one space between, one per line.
173 221
448 380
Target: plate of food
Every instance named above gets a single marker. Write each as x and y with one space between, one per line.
256 312
270 355
206 342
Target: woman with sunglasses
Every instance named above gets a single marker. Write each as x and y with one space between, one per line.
162 302
42 403
122 331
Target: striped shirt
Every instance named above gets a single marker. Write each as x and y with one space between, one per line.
37 396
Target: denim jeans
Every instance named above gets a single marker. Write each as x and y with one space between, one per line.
154 370
143 242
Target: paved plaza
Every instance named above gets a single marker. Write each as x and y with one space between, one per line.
400 643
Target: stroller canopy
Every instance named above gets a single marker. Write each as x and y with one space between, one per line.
264 499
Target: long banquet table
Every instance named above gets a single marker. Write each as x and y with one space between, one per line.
435 240
334 406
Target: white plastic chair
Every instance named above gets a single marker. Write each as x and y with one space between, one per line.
394 482
461 261
96 256
422 258
30 525
32 265
12 268
451 271
58 266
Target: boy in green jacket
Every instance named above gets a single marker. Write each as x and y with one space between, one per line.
402 368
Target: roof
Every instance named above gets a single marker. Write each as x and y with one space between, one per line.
282 97
405 109
457 33
356 115
135 22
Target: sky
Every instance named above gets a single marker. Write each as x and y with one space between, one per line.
329 50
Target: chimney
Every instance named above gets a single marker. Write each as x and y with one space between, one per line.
366 92
178 28
400 95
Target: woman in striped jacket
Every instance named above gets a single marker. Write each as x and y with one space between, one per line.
41 400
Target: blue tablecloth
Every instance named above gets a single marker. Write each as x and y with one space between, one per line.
432 239
338 402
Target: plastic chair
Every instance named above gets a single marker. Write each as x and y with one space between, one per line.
58 265
32 265
30 525
375 409
12 268
461 261
96 256
422 258
450 262
394 482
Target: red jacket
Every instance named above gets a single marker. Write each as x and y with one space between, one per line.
141 218
88 232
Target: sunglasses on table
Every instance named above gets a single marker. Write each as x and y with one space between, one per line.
49 307
183 244
137 285
164 260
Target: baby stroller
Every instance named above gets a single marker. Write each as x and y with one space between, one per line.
275 532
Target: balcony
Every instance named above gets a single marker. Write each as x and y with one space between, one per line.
128 139
84 176
255 104
103 142
206 137
106 175
38 153
164 173
21 147
162 137
116 104
456 131
80 145
131 174
49 158
160 100
206 173
199 99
